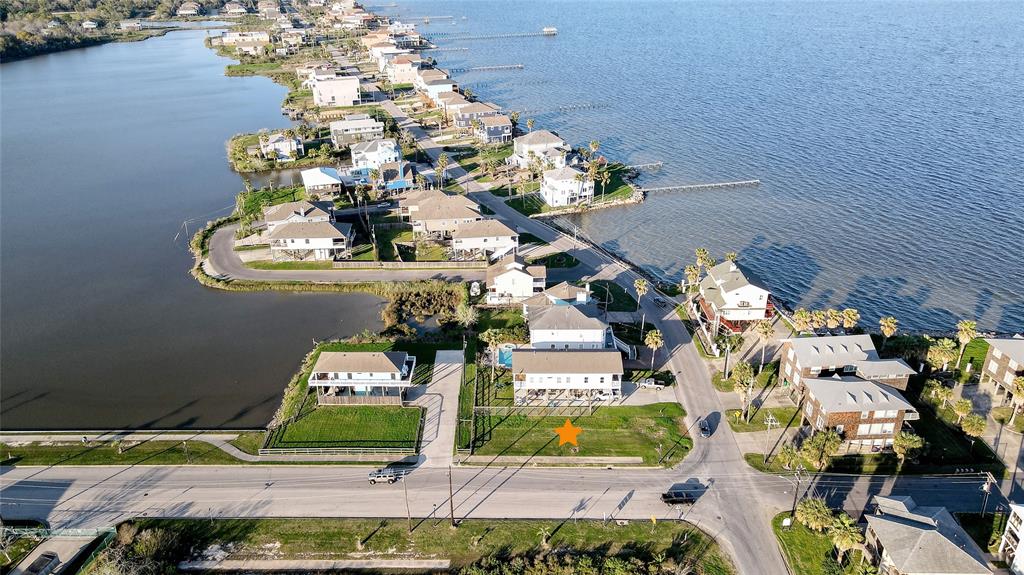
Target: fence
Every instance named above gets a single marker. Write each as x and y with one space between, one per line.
338 451
475 265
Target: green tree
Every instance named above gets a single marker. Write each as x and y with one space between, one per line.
888 325
845 535
765 331
514 118
820 447
654 341
1018 398
850 318
442 165
731 256
814 514
973 426
941 352
802 319
938 391
962 407
692 272
704 259
594 147
728 344
743 378
529 124
788 455
966 331
604 178
466 315
905 445
640 285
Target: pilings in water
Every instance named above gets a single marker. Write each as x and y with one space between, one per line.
455 37
566 108
700 187
486 68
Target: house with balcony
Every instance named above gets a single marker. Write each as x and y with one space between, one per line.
333 91
281 148
494 129
1009 543
463 119
301 211
371 155
402 69
311 241
566 186
451 102
845 355
322 181
569 327
436 213
866 414
1003 363
489 239
538 146
578 377
397 177
234 9
356 128
511 279
252 36
904 538
730 299
564 293
360 378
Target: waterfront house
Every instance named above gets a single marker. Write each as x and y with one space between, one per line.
252 48
293 38
279 147
494 129
399 27
1003 363
511 280
406 40
451 102
130 25
90 25
255 36
371 155
819 357
311 241
322 181
321 74
336 91
567 377
386 53
540 146
432 88
402 69
307 72
464 117
730 300
564 293
866 414
234 9
904 538
189 9
566 186
484 238
301 211
366 377
356 128
436 213
1009 543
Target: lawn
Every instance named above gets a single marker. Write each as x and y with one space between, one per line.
251 69
805 550
612 296
252 202
474 539
617 188
386 239
529 205
1002 415
500 318
271 265
684 316
361 426
428 251
974 355
947 446
528 238
786 416
556 260
764 379
153 452
986 530
479 158
609 431
630 332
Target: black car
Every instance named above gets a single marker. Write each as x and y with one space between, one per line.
678 498
705 428
660 302
44 564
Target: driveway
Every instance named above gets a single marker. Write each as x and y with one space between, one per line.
440 401
66 549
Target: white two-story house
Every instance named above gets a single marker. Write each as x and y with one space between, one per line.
371 155
565 376
295 212
281 148
335 91
540 145
311 241
356 128
730 301
511 280
351 378
566 186
568 327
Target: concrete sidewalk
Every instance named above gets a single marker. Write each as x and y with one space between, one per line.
441 405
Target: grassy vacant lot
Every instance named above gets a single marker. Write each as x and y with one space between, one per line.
985 530
609 431
805 550
786 416
947 446
252 202
557 260
386 239
529 205
480 157
432 539
271 265
501 318
764 379
105 453
363 426
612 296
974 355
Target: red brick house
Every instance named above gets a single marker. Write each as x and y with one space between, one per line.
1003 364
819 357
865 413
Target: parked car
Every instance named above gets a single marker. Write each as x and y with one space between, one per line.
678 498
388 474
705 428
660 302
650 383
44 564
602 396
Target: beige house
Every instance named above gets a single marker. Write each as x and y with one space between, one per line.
311 241
359 378
436 213
730 300
566 377
336 91
538 146
293 212
487 238
1003 364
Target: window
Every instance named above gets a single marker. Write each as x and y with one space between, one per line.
996 353
839 429
864 414
1008 378
820 423
307 241
1013 365
791 353
789 369
888 428
809 410
850 368
586 379
601 379
863 429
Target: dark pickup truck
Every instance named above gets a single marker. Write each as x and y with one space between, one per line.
678 498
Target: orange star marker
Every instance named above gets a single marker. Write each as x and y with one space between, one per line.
567 433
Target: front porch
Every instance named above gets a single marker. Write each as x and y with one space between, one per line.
360 395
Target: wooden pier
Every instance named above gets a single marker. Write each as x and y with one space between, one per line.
486 68
436 49
567 108
700 187
455 37
648 167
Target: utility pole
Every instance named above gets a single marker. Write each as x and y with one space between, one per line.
796 492
451 497
408 513
987 488
769 422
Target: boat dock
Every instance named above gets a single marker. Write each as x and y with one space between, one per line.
701 187
486 68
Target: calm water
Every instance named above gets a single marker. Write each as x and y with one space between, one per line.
889 137
105 152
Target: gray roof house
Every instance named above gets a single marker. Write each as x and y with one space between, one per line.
908 539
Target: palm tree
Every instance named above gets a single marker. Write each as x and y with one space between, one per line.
654 341
468 93
728 343
764 330
973 426
865 569
731 256
514 118
941 353
374 176
821 447
938 391
818 319
962 408
442 164
906 444
529 124
420 180
1018 397
604 177
802 319
833 318
815 514
788 455
640 285
594 147
703 257
966 330
743 376
888 325
544 533
845 535
474 124
692 272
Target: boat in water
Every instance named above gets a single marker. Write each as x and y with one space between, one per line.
550 31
